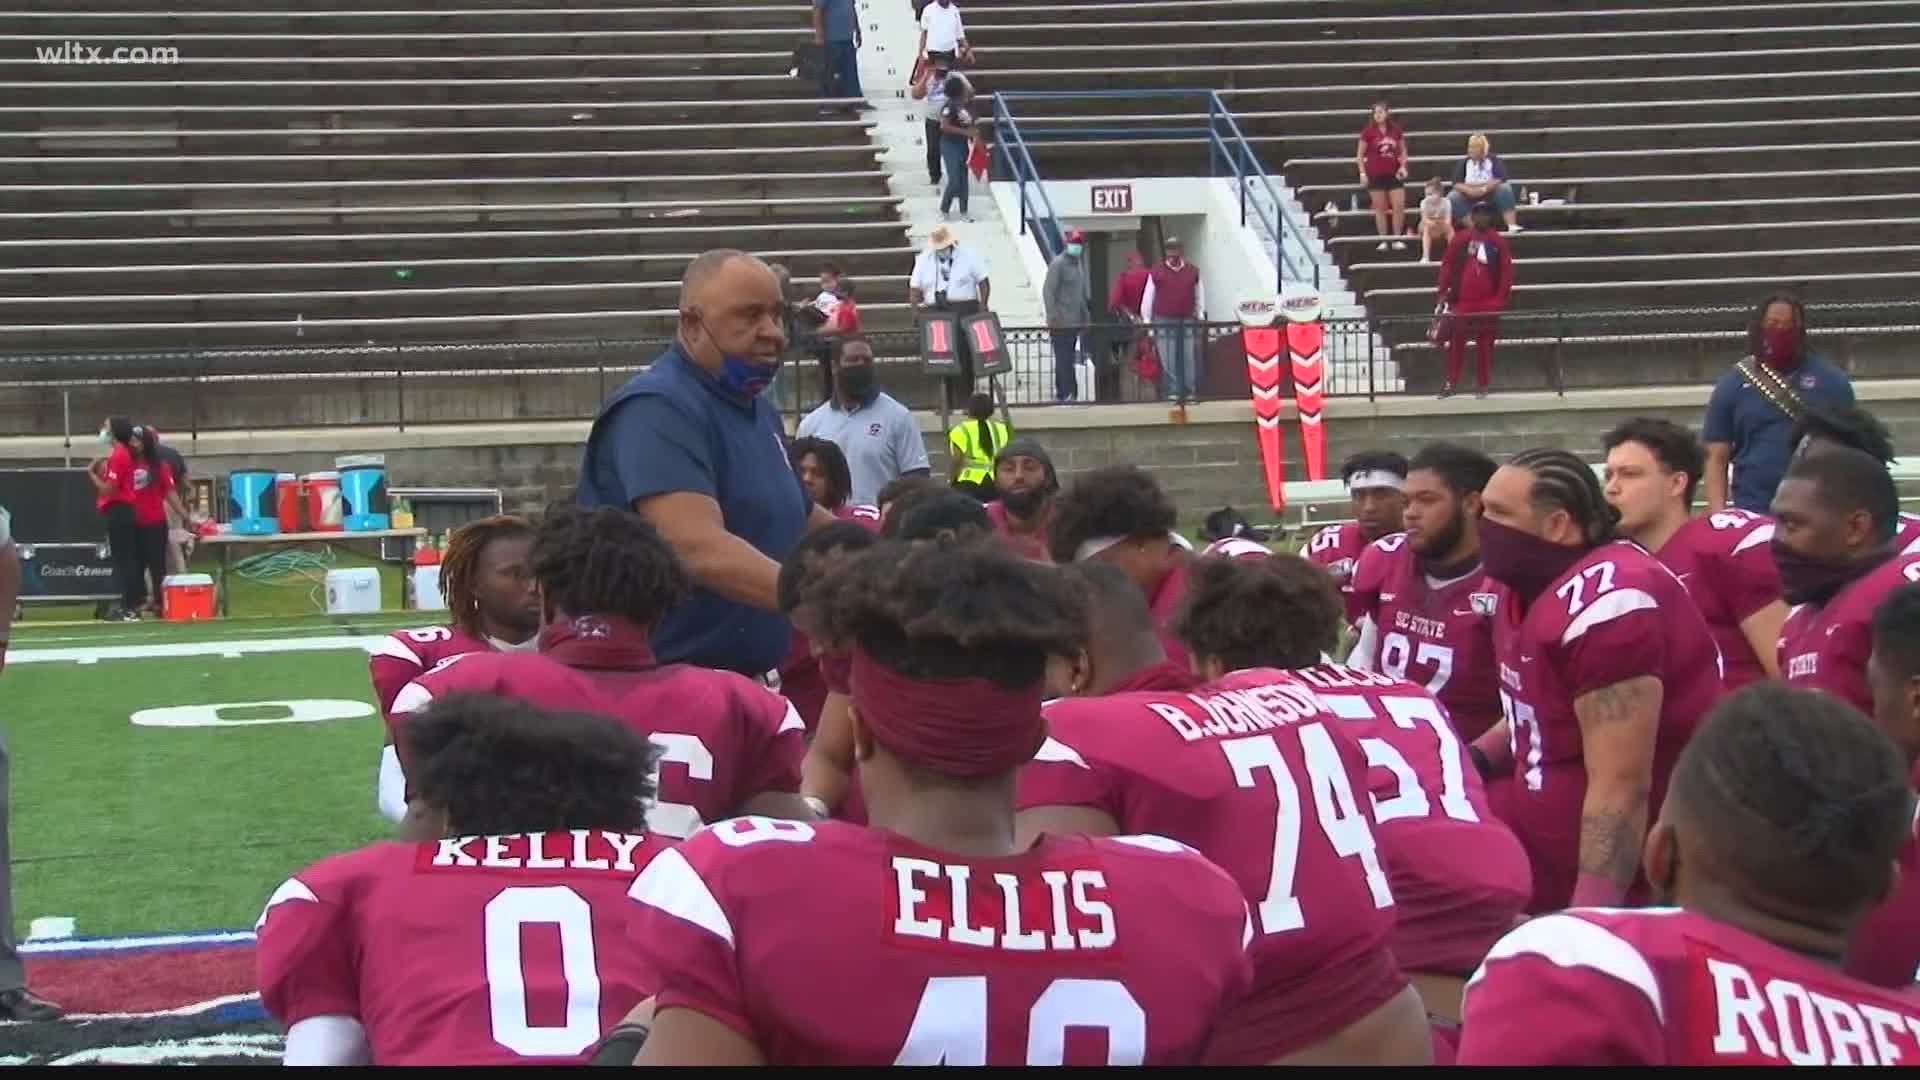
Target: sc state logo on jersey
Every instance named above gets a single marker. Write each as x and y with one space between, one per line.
1484 604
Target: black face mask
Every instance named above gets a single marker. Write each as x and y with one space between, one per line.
858 382
1810 581
1024 503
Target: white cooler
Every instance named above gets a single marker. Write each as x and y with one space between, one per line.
353 591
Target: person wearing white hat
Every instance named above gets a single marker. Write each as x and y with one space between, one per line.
951 277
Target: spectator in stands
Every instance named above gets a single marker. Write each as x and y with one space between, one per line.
834 313
972 446
1175 306
880 438
16 1001
943 37
1750 417
1476 277
956 140
1124 301
1065 298
1436 220
931 86
1482 177
836 29
952 278
1382 160
691 445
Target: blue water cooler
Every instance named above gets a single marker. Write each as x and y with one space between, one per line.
251 507
363 488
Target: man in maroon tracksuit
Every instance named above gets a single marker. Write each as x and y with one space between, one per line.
1476 277
1172 304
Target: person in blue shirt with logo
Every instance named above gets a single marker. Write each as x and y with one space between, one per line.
692 445
1750 417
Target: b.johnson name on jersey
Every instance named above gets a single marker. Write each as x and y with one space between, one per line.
580 849
1241 712
932 902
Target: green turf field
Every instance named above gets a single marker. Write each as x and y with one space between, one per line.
283 584
129 828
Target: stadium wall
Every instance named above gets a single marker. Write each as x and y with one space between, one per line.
1212 460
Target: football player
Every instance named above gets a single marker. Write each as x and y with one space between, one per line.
1724 559
800 680
1836 513
1120 516
939 938
492 932
1122 653
1376 482
1820 429
487 578
1886 948
828 765
727 744
1606 667
1423 597
1253 771
1779 832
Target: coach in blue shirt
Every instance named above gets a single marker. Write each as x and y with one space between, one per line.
1750 416
691 445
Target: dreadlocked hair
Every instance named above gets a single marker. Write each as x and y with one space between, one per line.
1278 612
501 765
831 460
1756 335
1804 797
951 609
460 565
1562 481
811 553
1119 500
605 561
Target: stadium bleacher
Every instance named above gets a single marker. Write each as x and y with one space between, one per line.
396 170
1692 153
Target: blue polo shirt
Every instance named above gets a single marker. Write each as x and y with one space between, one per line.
1760 432
674 428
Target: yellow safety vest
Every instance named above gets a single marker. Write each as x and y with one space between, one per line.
967 446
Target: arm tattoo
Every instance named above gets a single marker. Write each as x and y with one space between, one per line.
1610 845
1612 704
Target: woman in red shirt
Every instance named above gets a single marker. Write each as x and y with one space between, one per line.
112 477
1382 159
152 489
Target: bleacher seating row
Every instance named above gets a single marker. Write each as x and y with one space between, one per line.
1692 152
396 170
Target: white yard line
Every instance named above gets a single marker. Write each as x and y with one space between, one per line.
172 649
144 941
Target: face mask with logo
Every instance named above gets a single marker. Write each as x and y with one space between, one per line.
1075 250
1523 562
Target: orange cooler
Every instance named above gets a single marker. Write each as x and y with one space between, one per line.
326 510
186 597
288 505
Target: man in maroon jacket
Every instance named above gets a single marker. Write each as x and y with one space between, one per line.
1171 305
1476 277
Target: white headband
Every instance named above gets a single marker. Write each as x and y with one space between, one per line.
1094 546
1376 478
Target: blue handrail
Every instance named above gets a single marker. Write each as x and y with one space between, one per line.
1227 145
1012 147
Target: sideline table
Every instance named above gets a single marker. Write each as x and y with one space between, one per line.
226 542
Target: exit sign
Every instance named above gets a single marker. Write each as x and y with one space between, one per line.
1113 198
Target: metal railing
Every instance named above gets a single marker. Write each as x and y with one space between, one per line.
1038 217
1229 153
413 384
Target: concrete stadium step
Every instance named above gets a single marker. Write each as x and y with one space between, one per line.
1624 217
274 168
234 41
1368 276
584 138
1623 294
58 118
1700 239
325 197
1340 19
1702 160
1434 148
1671 187
55 17
191 69
348 93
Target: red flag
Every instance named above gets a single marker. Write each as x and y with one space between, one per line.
1306 350
1262 341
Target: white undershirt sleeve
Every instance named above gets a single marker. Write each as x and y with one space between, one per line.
328 1040
392 794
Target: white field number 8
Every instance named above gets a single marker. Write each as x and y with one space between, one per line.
555 905
1338 815
950 1024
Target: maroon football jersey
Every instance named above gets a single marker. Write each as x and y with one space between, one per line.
1120 951
1616 614
1907 540
405 655
1725 560
1236 548
1338 547
1662 986
481 950
1825 647
1027 545
1431 632
1459 875
1886 947
1256 774
1164 601
723 738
